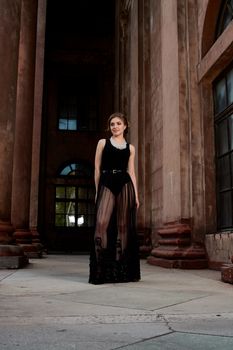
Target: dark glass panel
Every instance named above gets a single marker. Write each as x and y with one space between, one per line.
225 16
224 175
72 124
60 220
63 124
225 209
91 193
82 208
230 121
91 208
230 87
70 208
222 137
60 207
60 192
220 96
82 193
70 192
91 219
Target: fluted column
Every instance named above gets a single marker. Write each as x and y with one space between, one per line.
23 127
11 256
181 237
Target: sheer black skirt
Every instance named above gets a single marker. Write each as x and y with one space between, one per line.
114 253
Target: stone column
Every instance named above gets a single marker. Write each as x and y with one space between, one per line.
23 127
37 120
181 236
144 127
11 256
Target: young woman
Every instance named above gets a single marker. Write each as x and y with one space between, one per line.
114 256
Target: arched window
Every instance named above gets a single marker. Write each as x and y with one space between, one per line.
223 106
76 169
74 203
225 16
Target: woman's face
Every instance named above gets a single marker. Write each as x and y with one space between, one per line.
117 126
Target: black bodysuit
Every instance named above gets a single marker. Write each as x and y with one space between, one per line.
114 159
114 255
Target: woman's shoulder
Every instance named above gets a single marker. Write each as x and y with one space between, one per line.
102 142
100 145
131 148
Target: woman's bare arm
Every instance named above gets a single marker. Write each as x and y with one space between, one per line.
131 171
98 157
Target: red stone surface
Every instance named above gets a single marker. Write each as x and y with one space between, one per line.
6 232
227 273
29 242
175 241
178 252
178 263
175 249
11 250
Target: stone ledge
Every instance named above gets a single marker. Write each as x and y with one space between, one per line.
12 257
178 263
13 262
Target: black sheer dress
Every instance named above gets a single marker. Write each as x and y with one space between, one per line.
114 255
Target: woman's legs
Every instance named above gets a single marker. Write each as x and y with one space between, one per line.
125 202
105 205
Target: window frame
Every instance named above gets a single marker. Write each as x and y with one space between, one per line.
224 115
82 181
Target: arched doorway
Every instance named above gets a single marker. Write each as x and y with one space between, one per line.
78 98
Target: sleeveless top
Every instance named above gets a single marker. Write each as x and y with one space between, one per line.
114 159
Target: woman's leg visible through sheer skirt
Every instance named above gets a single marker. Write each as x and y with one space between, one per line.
104 208
125 205
105 205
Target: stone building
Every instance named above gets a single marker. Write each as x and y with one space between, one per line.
65 67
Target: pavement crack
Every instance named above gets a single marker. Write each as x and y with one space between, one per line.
7 275
164 319
207 334
142 341
181 302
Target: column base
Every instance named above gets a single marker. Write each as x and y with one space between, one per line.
175 249
178 263
25 239
145 246
12 257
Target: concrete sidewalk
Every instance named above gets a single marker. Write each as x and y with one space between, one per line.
49 305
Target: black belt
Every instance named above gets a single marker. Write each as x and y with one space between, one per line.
113 171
